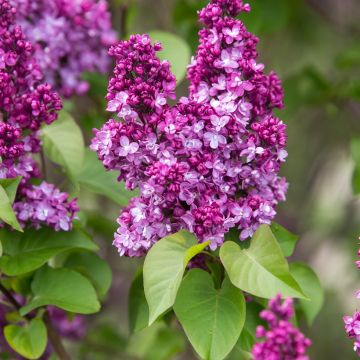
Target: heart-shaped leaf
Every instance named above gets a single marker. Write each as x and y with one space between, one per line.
308 281
28 340
64 288
261 269
164 268
212 318
63 143
30 250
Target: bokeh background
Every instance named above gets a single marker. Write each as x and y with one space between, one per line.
314 45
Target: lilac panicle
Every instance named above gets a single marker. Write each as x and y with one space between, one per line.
211 162
70 37
281 340
27 103
352 323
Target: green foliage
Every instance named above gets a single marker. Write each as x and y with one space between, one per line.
93 267
64 288
212 319
28 340
64 144
355 152
8 188
30 250
164 268
93 177
285 238
308 281
243 347
138 307
175 50
260 270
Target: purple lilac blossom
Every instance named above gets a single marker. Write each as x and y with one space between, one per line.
70 37
282 340
209 163
26 103
352 323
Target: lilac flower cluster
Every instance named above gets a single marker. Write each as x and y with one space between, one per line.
209 163
25 104
70 37
282 341
352 323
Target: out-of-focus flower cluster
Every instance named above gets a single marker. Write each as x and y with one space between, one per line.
352 323
26 103
281 340
211 162
69 37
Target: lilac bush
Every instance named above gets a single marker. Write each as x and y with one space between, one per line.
69 37
282 340
26 103
211 162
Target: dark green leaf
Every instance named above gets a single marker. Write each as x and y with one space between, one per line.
93 267
64 288
243 347
212 319
138 307
28 340
310 283
164 267
30 250
261 269
286 239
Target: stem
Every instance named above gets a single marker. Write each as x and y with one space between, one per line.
53 336
43 164
55 339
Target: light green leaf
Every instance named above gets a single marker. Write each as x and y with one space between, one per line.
164 268
63 143
175 50
28 251
96 179
93 267
260 270
64 288
286 239
212 319
243 347
8 189
28 340
310 283
138 307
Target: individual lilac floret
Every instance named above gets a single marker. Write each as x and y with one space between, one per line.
282 340
46 205
70 38
209 163
26 103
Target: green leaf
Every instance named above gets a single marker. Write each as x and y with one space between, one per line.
63 143
64 288
93 267
96 179
355 153
286 239
243 347
212 319
138 307
28 340
164 268
30 250
175 50
8 189
261 269
349 57
310 283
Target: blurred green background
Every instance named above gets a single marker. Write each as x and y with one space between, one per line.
314 46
